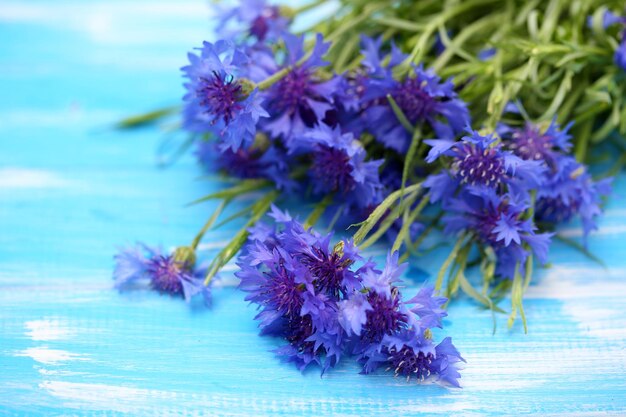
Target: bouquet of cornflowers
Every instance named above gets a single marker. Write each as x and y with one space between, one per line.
471 121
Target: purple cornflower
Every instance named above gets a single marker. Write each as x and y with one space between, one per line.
338 165
216 100
568 190
173 274
296 279
398 337
534 143
301 98
409 354
480 161
421 96
497 221
316 299
259 20
253 162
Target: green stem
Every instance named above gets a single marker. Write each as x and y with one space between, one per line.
145 119
404 230
259 209
209 223
308 6
446 264
317 212
379 211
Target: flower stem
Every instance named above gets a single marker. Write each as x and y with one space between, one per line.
258 210
446 264
209 223
317 212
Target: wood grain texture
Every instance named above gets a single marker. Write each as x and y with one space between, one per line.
71 191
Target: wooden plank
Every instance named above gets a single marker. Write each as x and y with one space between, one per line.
72 191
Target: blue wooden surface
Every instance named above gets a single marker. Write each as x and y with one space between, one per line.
71 191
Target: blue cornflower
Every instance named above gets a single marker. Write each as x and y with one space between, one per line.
428 306
338 165
260 20
422 96
480 161
316 299
301 98
497 221
296 279
272 163
174 274
409 354
216 100
568 190
534 143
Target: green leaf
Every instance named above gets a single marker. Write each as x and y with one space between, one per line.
258 210
243 187
399 114
379 211
517 294
446 264
146 119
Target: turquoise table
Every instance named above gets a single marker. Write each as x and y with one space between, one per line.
71 190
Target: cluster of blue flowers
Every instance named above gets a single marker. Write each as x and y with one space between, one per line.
494 185
315 297
264 104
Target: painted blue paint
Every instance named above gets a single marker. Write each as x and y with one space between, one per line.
71 191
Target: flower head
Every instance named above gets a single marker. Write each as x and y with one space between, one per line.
173 274
534 143
339 166
272 163
422 96
301 98
216 100
497 221
480 161
568 190
258 19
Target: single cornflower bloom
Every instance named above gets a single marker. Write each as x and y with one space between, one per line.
338 165
568 190
261 21
534 143
272 163
423 98
411 355
480 161
217 100
300 99
175 274
498 221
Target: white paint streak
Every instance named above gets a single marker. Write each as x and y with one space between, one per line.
111 23
573 282
604 230
50 356
31 178
47 329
